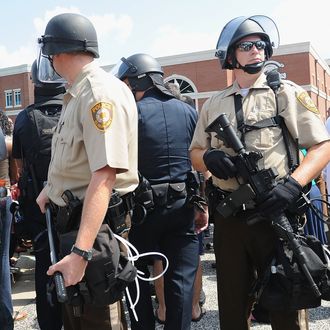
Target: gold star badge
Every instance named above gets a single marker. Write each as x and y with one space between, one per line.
307 102
102 114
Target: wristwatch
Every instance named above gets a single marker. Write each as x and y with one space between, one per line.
86 254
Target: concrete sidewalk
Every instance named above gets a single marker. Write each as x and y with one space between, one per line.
23 293
24 299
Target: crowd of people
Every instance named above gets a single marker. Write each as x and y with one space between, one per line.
127 151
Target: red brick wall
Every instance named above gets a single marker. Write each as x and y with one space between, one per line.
17 81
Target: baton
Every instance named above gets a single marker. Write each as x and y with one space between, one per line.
58 277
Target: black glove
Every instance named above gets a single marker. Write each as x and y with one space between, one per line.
280 197
219 164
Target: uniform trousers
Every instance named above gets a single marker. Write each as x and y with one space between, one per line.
6 306
169 230
49 310
109 317
242 252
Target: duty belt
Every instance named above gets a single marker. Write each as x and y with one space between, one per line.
164 193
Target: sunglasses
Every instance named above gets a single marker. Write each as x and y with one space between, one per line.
246 46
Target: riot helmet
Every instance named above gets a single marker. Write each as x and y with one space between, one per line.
142 71
69 32
45 90
52 84
239 28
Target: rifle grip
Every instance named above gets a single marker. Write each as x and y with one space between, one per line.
61 293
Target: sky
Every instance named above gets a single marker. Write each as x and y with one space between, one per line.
157 27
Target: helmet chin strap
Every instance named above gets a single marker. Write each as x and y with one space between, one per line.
52 65
251 68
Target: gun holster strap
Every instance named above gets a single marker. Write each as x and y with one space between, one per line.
128 201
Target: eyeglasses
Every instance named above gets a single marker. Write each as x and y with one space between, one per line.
246 46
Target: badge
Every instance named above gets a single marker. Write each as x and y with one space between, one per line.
307 102
102 114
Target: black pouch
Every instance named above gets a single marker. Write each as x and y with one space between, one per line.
160 193
177 190
109 271
284 285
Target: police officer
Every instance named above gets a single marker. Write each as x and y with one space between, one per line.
94 147
244 45
166 127
47 98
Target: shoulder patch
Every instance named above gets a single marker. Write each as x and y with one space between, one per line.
307 102
102 114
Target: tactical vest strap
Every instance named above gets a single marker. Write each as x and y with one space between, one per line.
268 122
276 121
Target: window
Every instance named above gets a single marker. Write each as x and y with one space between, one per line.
185 87
9 99
17 98
13 98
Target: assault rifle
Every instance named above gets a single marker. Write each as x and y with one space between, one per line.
258 183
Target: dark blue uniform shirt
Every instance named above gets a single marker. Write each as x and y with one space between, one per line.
166 127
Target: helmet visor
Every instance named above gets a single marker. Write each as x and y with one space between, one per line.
228 32
270 28
115 69
46 72
122 68
227 35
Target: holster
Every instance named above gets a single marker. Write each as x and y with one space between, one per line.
195 191
68 217
116 214
214 195
143 201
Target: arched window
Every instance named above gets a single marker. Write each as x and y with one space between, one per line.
186 86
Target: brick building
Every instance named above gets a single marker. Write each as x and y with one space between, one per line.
198 74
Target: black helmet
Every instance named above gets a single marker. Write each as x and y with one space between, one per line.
66 33
142 71
241 27
137 65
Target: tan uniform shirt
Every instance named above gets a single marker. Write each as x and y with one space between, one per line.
97 127
301 118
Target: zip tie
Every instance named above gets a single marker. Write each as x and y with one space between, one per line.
130 247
